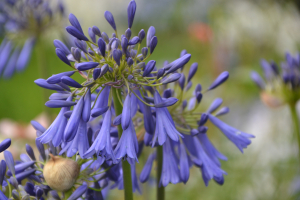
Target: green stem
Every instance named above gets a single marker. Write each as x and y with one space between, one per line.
296 124
68 193
125 165
160 190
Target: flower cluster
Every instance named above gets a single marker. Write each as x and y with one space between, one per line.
280 87
124 105
22 22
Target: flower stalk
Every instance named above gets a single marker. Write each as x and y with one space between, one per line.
125 165
160 195
295 119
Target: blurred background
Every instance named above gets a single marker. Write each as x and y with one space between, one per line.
231 35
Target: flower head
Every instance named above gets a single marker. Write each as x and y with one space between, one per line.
280 86
23 23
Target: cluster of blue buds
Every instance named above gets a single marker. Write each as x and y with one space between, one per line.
22 23
280 88
125 104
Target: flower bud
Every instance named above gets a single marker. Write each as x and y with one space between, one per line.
86 65
9 161
129 61
117 56
77 54
43 83
92 35
193 70
105 37
128 33
59 103
181 81
59 44
171 78
144 51
153 44
5 144
74 21
96 31
2 171
183 52
60 53
70 82
222 111
81 45
15 194
219 80
77 34
214 105
141 35
149 67
134 40
150 35
61 173
131 12
110 19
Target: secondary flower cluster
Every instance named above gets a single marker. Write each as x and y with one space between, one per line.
22 22
280 87
149 105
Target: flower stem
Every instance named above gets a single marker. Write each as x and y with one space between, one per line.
295 119
160 189
125 165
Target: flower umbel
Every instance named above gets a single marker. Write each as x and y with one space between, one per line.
126 102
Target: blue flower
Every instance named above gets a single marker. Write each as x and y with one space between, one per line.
72 125
56 130
102 144
240 139
164 124
128 144
144 176
211 151
170 172
79 143
201 159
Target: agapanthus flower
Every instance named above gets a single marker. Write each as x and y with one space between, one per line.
279 87
126 102
23 24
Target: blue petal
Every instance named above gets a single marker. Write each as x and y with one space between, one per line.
214 105
110 19
126 113
184 164
74 21
59 103
219 80
128 144
5 144
145 173
87 106
131 12
73 122
240 139
56 78
78 192
9 161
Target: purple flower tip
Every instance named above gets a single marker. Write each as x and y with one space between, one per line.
5 144
131 12
219 80
110 19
